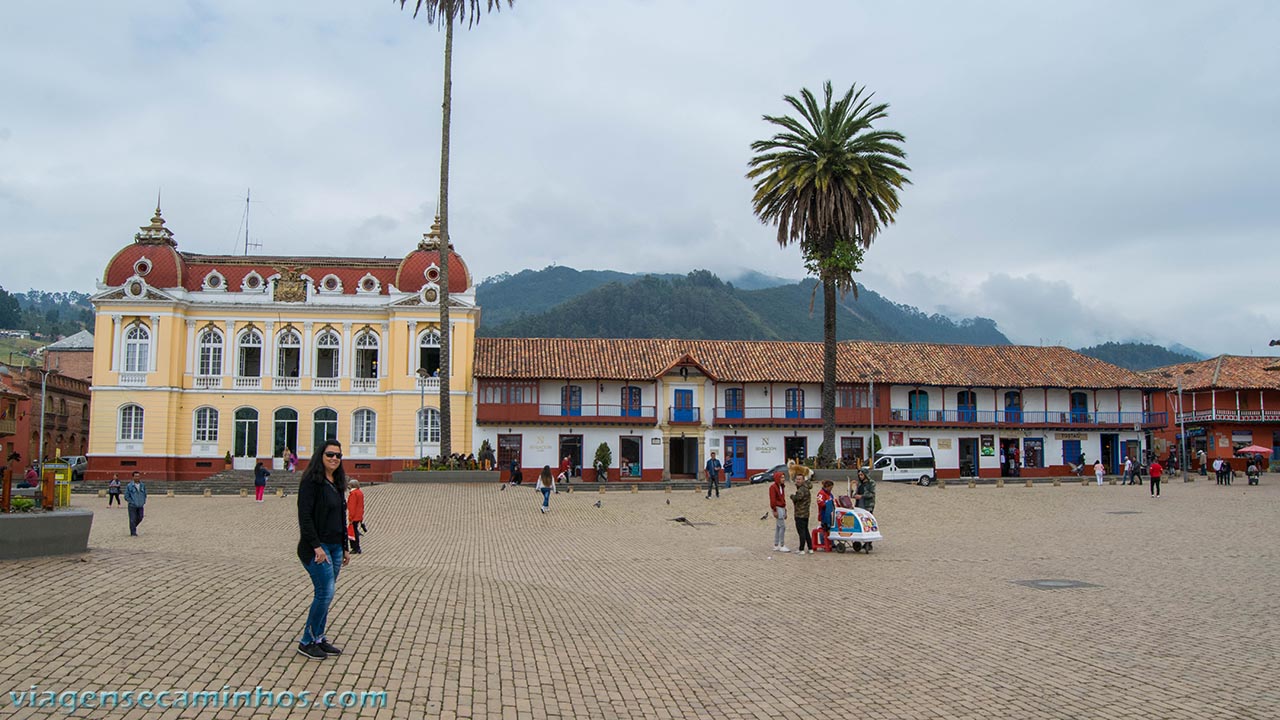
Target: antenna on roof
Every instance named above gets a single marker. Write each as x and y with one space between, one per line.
247 243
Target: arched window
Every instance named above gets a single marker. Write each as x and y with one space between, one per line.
137 348
327 354
918 405
210 353
966 406
324 425
131 423
285 432
364 427
429 352
367 354
288 354
250 354
206 425
246 433
429 426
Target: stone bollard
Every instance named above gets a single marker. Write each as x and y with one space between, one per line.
667 489
279 492
1028 482
570 489
102 493
942 484
635 489
1111 481
972 484
602 489
999 482
170 493
208 492
1084 481
244 493
1057 482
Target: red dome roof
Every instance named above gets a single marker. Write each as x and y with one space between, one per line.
163 267
412 274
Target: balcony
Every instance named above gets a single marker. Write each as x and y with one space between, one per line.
133 378
1204 416
8 426
429 384
558 414
208 382
325 383
247 383
765 415
684 415
1025 418
364 384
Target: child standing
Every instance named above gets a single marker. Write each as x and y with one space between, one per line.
355 514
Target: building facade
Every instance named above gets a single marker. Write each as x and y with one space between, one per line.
65 411
1224 404
200 358
663 405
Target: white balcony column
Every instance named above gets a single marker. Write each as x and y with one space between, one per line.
228 347
307 342
1213 403
116 348
411 345
155 343
348 353
383 343
269 350
191 347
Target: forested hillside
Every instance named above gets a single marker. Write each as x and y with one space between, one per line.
49 314
1136 356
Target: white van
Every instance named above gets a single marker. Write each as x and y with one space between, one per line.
909 463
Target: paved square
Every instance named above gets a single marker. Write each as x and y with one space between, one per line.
470 603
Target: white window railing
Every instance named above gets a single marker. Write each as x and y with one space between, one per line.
324 383
133 378
286 383
364 384
248 383
430 384
208 382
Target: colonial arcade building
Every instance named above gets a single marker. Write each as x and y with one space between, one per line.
663 405
201 357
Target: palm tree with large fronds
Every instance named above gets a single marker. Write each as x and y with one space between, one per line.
447 13
830 182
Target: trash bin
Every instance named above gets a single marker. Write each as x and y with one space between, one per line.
59 474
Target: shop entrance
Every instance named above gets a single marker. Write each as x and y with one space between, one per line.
968 457
1110 452
683 458
571 445
735 457
796 448
1009 457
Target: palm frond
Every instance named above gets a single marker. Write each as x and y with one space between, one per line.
439 12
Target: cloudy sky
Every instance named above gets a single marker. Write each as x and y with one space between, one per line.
1082 171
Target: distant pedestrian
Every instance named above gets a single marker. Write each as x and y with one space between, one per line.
1201 457
778 506
1217 471
546 485
800 501
286 459
113 490
713 475
1155 471
865 494
1098 470
566 467
260 475
322 545
135 497
516 476
355 514
1128 472
1228 472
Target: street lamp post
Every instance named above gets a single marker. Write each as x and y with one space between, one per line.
1182 426
871 449
44 385
422 408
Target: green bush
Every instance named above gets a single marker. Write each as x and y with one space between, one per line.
21 504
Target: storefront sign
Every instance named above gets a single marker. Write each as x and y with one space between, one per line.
1070 436
944 443
920 441
765 447
539 444
895 439
988 445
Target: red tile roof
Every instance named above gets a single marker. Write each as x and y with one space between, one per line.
801 362
1225 372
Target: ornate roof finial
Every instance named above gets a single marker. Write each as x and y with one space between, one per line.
155 233
431 240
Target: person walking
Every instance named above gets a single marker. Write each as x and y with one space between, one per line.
778 506
864 496
113 490
1217 470
713 475
546 485
1128 472
566 467
135 498
1099 471
1201 457
260 475
322 545
1155 472
355 515
1228 472
800 502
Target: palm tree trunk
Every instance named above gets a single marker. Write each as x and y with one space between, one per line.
827 452
446 416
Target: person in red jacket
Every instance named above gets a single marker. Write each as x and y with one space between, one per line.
778 506
563 473
355 514
1155 471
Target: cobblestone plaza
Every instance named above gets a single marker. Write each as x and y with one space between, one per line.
470 603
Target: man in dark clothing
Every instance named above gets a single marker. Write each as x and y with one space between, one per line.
516 476
713 475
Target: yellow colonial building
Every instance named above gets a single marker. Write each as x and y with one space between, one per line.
201 356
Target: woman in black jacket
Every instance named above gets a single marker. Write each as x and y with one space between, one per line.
322 523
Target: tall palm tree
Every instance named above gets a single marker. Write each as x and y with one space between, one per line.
447 13
830 182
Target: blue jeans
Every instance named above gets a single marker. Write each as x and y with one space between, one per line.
324 576
546 496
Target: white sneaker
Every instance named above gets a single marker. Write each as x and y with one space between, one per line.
776 548
810 551
784 548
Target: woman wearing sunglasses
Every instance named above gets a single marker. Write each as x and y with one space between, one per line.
322 522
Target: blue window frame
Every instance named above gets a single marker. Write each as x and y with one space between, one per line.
571 400
631 401
966 406
1079 407
1013 407
682 410
795 403
733 403
918 405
